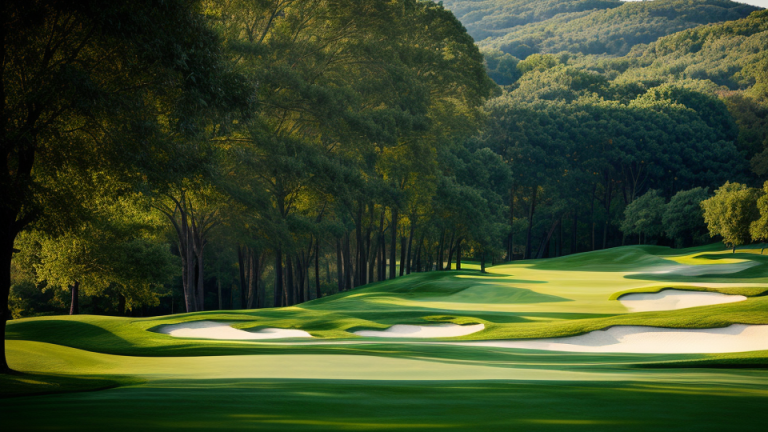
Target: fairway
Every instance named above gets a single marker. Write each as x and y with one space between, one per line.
340 380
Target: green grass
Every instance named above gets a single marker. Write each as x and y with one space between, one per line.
354 383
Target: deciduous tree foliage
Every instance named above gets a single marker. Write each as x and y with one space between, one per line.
730 213
93 86
643 216
683 218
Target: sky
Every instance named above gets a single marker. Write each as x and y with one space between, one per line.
761 3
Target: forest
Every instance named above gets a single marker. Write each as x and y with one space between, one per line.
180 156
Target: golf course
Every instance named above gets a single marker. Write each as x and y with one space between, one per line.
375 215
86 371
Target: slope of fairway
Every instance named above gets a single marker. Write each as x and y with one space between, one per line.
533 299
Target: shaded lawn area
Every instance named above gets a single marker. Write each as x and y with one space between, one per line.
298 405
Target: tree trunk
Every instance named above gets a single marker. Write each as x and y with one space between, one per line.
418 254
531 211
300 278
200 279
545 243
511 236
458 254
192 297
440 251
369 260
258 259
482 262
289 286
409 255
403 261
253 265
286 286
6 256
592 214
184 275
359 267
241 265
383 251
574 236
373 254
449 261
339 267
419 246
74 305
278 276
393 245
218 288
317 269
347 264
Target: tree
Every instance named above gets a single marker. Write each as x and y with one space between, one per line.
730 212
683 217
93 86
759 228
644 216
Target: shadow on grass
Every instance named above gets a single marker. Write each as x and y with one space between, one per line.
26 384
294 405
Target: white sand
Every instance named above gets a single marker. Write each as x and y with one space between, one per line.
218 330
648 340
672 299
423 331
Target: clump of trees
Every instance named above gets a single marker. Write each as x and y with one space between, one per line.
737 213
252 147
681 220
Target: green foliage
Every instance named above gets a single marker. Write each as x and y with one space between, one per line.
683 218
502 68
730 212
115 252
602 27
728 54
644 215
759 229
537 62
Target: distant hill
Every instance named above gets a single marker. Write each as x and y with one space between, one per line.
733 54
598 27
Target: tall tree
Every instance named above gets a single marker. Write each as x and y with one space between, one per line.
82 83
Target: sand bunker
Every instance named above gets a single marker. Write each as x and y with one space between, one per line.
423 331
218 330
649 340
672 299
